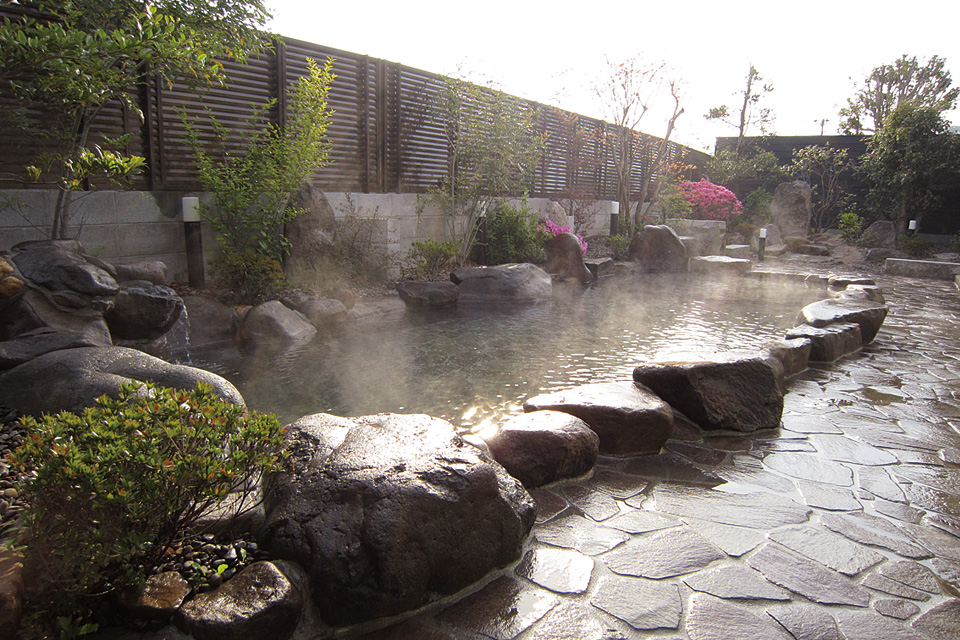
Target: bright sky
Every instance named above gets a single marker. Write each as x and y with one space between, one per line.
554 52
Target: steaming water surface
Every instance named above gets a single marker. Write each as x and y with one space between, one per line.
477 362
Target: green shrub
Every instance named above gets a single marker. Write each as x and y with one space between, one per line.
109 489
756 206
619 245
914 246
250 277
354 250
430 260
851 227
513 235
674 204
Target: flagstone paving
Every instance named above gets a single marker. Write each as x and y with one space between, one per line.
842 524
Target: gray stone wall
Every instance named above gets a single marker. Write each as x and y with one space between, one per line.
116 226
128 226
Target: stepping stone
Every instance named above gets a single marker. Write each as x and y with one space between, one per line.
912 574
739 251
754 510
642 604
639 521
868 625
549 504
892 587
941 622
942 545
794 355
739 391
663 554
671 467
899 511
844 449
868 316
559 570
932 269
734 541
619 485
568 621
806 622
829 343
895 608
874 531
721 264
502 610
879 483
711 618
939 478
733 583
829 549
749 471
629 419
806 466
598 506
825 496
801 575
581 534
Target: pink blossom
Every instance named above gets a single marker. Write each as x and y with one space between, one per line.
556 230
710 201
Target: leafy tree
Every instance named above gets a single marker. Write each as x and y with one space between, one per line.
890 85
576 199
626 94
657 172
749 168
253 179
79 56
906 160
493 147
826 170
750 113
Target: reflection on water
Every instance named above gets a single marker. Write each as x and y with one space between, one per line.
476 362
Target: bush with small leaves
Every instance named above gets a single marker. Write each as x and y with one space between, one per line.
430 260
107 491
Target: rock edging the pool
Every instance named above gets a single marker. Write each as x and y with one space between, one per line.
339 513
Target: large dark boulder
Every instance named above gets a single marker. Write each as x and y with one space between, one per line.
322 313
210 322
520 282
545 446
565 259
428 295
830 342
658 248
273 325
70 380
61 265
389 512
310 234
792 208
869 315
734 390
630 420
35 343
882 234
143 311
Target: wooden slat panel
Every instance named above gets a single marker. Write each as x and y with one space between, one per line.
384 135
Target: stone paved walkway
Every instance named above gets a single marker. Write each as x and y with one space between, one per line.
845 523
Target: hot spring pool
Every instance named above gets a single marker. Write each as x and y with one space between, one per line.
480 361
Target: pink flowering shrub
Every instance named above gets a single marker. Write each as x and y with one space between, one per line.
710 201
556 230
